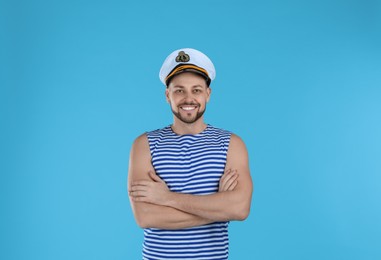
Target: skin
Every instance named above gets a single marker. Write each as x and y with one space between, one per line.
188 90
148 215
153 204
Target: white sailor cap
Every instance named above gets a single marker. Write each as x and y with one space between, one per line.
187 60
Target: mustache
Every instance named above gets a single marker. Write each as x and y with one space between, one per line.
189 104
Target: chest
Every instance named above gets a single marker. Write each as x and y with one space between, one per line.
192 166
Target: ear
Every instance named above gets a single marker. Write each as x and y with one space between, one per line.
208 92
167 94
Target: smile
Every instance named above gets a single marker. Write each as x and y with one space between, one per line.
188 108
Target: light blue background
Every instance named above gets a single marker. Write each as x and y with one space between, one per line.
299 81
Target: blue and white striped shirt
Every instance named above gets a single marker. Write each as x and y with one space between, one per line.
190 164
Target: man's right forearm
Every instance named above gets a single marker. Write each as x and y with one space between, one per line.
155 216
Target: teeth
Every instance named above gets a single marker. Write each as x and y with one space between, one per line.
188 108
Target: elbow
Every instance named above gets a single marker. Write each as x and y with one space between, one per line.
241 212
142 223
144 220
241 205
141 218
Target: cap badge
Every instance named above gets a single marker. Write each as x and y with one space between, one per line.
182 57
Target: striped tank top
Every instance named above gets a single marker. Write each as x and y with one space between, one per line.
190 164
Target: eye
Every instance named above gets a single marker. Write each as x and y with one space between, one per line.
197 90
179 91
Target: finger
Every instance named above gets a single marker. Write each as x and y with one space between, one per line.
138 188
233 185
229 176
231 181
226 172
224 176
137 193
140 183
227 181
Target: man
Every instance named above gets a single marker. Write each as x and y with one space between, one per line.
186 181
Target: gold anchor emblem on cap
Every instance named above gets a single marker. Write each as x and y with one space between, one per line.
182 57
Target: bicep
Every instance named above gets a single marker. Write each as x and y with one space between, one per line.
138 168
140 160
238 158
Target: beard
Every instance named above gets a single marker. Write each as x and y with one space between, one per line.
189 120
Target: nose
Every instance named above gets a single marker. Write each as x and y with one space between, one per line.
188 98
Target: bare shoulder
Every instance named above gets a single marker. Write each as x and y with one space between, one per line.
140 158
236 145
140 152
237 156
140 143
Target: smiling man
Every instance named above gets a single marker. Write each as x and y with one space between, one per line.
186 181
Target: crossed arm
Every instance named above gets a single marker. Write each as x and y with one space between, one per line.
156 207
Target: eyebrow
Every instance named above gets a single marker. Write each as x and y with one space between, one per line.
195 86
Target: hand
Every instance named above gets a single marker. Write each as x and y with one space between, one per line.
228 181
153 191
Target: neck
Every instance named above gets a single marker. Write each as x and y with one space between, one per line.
182 128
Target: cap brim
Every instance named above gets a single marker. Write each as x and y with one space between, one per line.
193 69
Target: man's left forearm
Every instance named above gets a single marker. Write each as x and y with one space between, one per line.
220 206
